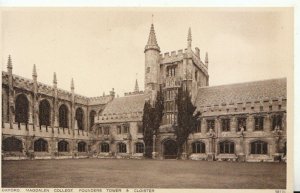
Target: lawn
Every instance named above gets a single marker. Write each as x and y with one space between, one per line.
105 173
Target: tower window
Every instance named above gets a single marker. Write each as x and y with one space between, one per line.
171 70
210 124
276 121
225 124
259 123
242 123
148 69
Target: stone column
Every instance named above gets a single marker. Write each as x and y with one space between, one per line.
210 154
241 151
267 123
218 126
276 134
233 124
283 124
203 126
154 152
11 109
11 106
250 123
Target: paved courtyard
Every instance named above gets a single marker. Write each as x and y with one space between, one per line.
105 173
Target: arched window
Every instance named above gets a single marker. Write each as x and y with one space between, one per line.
81 146
63 116
63 146
12 144
259 147
21 109
226 147
104 147
139 148
40 145
122 148
79 118
198 147
44 112
92 118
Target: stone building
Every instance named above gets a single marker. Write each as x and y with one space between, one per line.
243 121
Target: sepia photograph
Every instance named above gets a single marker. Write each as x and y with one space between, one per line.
146 98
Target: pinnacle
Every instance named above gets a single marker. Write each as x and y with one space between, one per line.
34 74
136 88
72 84
206 57
152 42
54 78
9 62
189 34
189 38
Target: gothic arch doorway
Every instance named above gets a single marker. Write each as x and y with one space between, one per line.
170 149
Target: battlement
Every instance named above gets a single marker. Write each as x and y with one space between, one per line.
120 117
99 100
172 57
45 132
172 54
133 93
264 105
27 84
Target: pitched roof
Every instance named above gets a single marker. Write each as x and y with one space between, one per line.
126 104
242 92
152 42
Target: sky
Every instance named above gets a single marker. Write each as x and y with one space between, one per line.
103 48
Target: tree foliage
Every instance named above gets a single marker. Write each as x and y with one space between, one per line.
148 128
186 118
152 117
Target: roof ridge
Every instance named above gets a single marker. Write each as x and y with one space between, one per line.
256 81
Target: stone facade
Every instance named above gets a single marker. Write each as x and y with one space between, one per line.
238 122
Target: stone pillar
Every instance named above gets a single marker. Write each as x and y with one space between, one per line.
154 153
218 125
211 153
241 151
203 126
233 124
35 111
11 106
250 123
267 123
11 109
55 103
277 134
283 124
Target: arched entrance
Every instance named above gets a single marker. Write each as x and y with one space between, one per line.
170 149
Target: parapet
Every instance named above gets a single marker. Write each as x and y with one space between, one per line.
133 93
99 100
174 56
